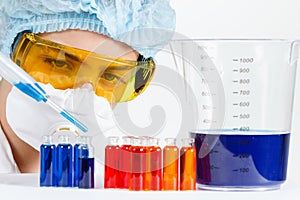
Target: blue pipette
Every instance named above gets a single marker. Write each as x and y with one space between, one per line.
24 82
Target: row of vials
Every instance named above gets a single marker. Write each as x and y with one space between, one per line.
137 164
65 165
140 164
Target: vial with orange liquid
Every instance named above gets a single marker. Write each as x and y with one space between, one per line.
187 165
170 165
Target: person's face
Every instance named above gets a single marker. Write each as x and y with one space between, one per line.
69 59
93 42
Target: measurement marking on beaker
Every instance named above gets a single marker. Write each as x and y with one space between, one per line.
244 170
235 60
244 156
235 129
235 70
214 167
235 92
235 104
235 170
207 94
208 121
235 81
235 116
208 107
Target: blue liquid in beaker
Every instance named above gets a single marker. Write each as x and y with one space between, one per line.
64 165
47 165
241 161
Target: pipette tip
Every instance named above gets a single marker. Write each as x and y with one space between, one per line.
74 121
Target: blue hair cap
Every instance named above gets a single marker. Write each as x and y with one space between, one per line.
145 25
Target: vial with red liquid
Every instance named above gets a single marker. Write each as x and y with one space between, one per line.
125 162
155 164
187 165
112 157
146 144
170 165
138 165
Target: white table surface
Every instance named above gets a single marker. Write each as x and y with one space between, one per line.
20 186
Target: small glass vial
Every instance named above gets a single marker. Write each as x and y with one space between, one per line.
155 165
112 159
76 165
139 165
64 162
47 162
125 162
170 163
147 172
187 165
86 164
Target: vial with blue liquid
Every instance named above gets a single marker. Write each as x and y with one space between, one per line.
78 142
47 162
64 162
86 164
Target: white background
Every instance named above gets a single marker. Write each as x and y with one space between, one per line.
221 19
238 18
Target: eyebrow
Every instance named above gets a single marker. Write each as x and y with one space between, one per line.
73 57
76 58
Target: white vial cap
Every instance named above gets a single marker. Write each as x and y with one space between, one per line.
170 141
47 139
64 139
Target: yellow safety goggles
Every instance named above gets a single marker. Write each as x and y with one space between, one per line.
116 79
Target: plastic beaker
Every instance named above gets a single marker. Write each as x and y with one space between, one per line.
244 91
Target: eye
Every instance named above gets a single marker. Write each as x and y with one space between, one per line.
58 63
112 77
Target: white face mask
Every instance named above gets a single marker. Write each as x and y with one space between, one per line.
30 120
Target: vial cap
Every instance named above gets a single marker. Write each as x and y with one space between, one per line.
64 139
47 139
85 139
136 141
154 141
187 141
113 140
78 139
127 140
145 141
170 141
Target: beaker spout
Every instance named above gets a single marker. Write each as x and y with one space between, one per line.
295 52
